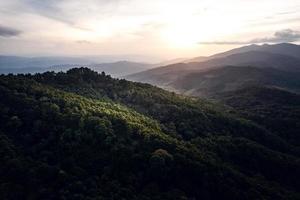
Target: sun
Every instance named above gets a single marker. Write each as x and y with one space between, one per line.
186 28
181 29
181 35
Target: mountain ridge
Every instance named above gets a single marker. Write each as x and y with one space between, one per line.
169 76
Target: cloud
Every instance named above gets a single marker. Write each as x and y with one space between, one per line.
224 42
50 9
9 32
83 42
69 12
286 35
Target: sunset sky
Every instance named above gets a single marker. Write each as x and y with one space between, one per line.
162 29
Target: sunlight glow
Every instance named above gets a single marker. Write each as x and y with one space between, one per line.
186 28
173 28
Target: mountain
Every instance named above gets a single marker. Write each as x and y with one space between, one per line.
13 64
16 62
230 78
121 68
170 62
115 69
165 75
257 59
287 49
182 77
83 135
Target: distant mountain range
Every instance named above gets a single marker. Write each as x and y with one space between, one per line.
271 65
17 62
14 64
115 69
282 48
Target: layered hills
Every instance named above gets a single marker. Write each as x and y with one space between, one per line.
265 65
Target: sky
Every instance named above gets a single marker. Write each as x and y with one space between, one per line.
158 29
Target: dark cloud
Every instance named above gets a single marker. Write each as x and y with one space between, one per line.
49 9
286 35
9 32
56 10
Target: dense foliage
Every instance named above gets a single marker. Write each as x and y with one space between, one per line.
84 135
276 109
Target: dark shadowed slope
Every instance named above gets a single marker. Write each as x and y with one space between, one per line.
276 109
223 79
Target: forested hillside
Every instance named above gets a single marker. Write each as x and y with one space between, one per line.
84 135
276 109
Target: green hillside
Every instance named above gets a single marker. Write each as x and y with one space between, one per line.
84 135
183 117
